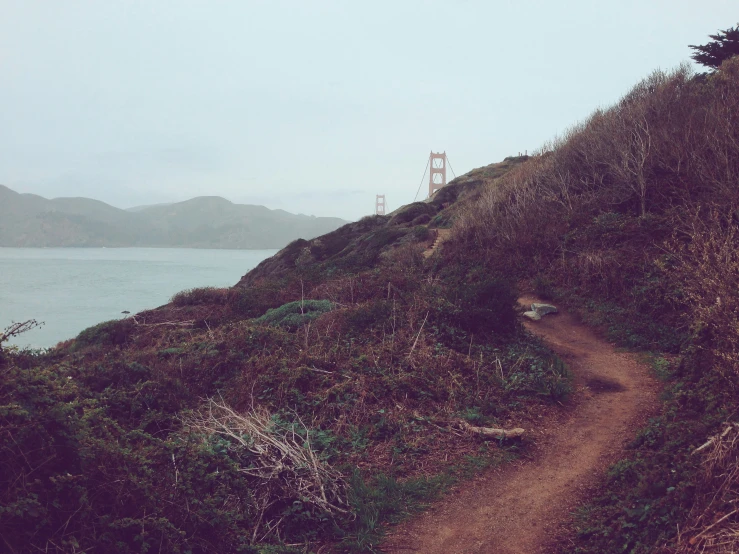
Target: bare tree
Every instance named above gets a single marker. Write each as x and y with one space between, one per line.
15 329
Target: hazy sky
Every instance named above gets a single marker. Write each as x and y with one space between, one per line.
310 106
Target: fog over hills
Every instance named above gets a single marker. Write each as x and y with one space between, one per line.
28 220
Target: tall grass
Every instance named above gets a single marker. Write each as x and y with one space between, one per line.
670 142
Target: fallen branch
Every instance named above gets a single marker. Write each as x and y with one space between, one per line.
493 432
714 438
418 335
187 323
314 368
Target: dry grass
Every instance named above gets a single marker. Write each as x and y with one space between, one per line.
714 527
706 267
282 463
671 140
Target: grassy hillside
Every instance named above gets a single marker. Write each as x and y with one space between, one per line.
632 218
204 222
317 400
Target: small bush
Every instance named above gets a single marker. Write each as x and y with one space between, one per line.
254 300
109 333
411 212
295 314
421 232
384 499
421 220
368 316
488 306
200 296
544 287
380 239
441 221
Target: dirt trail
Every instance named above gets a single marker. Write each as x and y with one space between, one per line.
519 508
441 236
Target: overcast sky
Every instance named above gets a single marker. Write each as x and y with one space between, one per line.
309 106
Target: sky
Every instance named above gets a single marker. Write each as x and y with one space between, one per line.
310 106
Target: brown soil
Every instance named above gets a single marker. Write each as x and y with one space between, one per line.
522 508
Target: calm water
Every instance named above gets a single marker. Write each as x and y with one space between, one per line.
72 288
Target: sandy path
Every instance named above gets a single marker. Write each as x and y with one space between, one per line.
519 508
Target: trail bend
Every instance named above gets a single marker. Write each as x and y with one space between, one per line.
519 508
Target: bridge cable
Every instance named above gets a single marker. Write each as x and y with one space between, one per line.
422 178
450 167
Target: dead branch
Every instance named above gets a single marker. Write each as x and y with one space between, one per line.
186 323
493 432
18 328
418 335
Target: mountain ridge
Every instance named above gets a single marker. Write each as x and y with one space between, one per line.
29 220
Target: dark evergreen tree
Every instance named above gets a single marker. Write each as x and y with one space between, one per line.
724 45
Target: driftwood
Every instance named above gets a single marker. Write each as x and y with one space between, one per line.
492 432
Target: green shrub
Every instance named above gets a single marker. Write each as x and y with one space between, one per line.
108 333
382 500
422 219
412 211
538 372
441 221
254 300
487 306
369 315
544 287
295 314
421 232
200 296
380 239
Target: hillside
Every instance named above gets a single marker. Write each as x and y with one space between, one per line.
631 219
205 222
330 393
341 341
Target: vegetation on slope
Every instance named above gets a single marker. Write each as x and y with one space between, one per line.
314 402
632 217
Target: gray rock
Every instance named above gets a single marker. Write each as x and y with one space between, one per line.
532 315
544 309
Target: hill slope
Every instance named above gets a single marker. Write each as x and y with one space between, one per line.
325 395
632 219
205 222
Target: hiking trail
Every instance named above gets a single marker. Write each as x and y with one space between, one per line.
441 236
520 507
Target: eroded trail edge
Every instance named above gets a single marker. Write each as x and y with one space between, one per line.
518 509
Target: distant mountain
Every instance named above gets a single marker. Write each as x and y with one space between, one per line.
203 222
146 207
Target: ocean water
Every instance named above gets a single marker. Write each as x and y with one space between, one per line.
70 289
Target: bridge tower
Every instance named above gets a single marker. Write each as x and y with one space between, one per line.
380 204
437 171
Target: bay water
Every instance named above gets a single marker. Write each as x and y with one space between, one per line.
70 289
